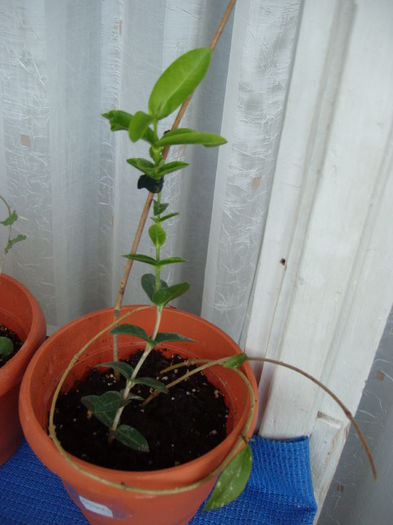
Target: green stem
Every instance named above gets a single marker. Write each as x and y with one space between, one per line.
130 383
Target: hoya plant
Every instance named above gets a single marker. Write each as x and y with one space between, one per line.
173 87
6 345
169 92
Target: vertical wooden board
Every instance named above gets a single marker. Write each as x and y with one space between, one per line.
346 177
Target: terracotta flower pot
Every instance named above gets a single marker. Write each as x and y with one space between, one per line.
20 312
103 504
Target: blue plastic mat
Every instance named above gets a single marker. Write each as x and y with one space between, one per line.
279 491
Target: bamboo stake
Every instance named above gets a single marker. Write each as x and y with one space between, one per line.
150 196
149 199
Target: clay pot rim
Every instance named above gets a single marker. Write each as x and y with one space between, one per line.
44 447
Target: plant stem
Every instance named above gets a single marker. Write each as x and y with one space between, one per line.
335 398
130 383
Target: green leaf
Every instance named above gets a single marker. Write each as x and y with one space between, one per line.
169 336
159 208
153 262
130 437
9 221
152 383
141 258
123 368
121 120
235 361
118 119
170 260
164 295
178 81
142 165
105 406
232 481
148 282
192 137
131 329
138 125
6 346
157 235
158 220
13 241
171 166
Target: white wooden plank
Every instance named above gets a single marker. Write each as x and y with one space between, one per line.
297 174
331 204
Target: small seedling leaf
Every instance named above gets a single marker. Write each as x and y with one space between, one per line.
157 235
165 295
159 207
142 165
142 258
170 167
13 241
168 336
164 218
120 120
131 329
178 81
105 406
235 361
152 383
123 368
192 137
139 122
232 481
130 437
9 221
170 260
6 346
148 282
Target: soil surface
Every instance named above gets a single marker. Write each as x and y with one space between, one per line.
179 426
6 332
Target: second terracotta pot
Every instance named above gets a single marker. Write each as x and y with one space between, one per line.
102 504
20 312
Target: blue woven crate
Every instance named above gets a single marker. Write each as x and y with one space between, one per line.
279 491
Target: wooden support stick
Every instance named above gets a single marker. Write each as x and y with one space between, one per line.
149 199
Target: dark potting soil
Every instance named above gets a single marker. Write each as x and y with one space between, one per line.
179 426
16 341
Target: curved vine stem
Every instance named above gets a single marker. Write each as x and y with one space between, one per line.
335 398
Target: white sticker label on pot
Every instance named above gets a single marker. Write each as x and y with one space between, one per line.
98 508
